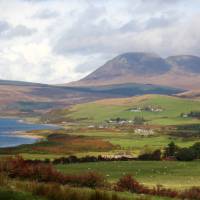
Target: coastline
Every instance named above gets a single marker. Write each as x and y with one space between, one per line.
30 135
34 132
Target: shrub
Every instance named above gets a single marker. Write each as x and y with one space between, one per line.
170 150
128 183
138 120
185 154
196 149
19 168
192 193
159 190
156 155
57 192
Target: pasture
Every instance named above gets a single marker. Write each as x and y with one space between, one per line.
169 114
167 173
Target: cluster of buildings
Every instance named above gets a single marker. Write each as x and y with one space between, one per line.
147 108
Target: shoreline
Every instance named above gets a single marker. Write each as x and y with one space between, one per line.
25 134
36 133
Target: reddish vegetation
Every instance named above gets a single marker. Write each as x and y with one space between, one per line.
192 193
63 144
66 144
128 183
19 168
46 173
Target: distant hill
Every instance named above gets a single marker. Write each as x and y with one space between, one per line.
193 94
155 109
32 99
185 63
20 83
146 68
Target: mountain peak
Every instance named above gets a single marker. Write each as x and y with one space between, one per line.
147 68
131 63
137 54
186 63
133 57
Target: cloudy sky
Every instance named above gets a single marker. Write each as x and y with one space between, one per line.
58 41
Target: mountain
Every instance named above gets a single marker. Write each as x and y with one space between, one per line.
186 63
146 68
131 63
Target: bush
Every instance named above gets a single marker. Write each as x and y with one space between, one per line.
192 193
156 155
128 183
196 149
185 154
138 120
57 192
170 150
19 168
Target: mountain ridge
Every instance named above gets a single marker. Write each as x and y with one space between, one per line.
181 71
23 98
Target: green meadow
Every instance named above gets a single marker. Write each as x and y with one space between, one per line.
8 194
153 142
172 107
121 140
83 136
167 173
13 194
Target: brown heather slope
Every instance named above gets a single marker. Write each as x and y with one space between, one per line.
193 94
32 99
24 98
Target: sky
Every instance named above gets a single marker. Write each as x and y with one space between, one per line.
58 41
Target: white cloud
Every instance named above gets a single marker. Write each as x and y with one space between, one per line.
61 41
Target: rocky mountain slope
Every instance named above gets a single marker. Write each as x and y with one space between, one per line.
176 71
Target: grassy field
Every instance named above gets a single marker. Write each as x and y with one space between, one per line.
170 174
133 141
7 194
80 140
84 142
99 111
96 141
153 142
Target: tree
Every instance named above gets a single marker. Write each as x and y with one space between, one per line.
171 149
156 155
185 154
196 149
138 120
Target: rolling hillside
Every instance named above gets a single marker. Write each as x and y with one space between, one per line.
33 99
155 109
193 94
